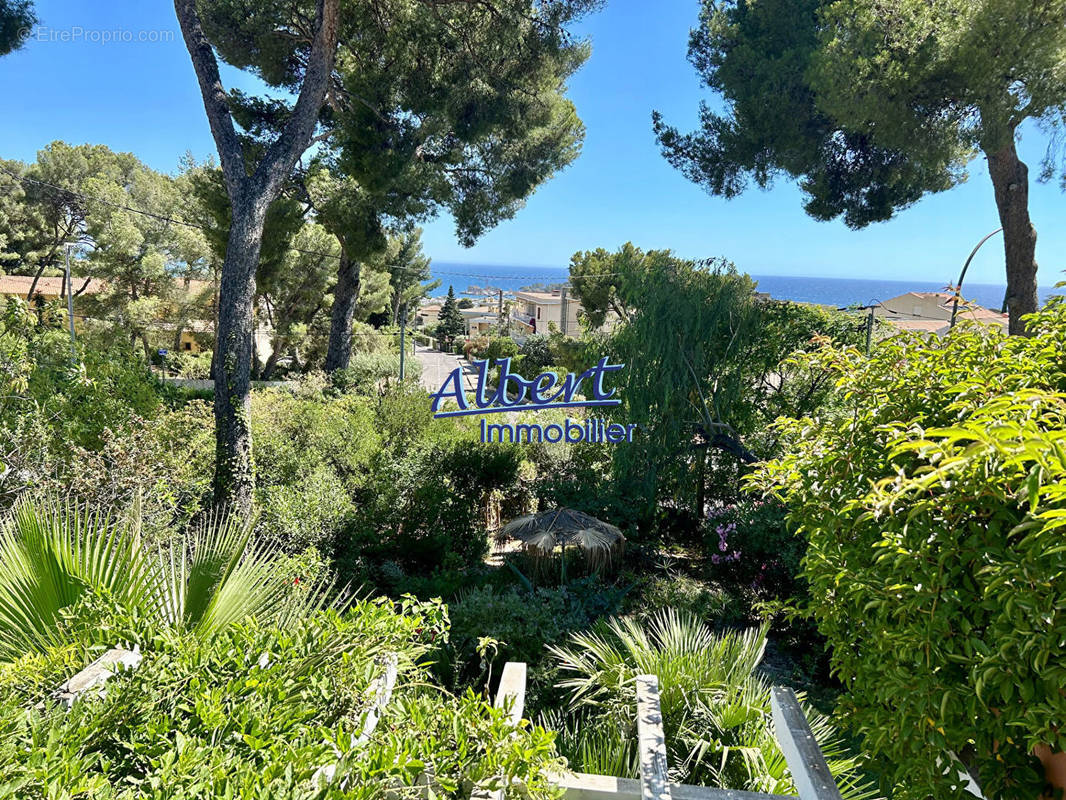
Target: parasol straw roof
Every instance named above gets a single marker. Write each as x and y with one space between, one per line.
564 527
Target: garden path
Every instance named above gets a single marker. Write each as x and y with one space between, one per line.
436 366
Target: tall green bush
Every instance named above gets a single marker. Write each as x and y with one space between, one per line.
57 400
934 498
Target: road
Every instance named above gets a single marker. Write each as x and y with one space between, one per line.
436 366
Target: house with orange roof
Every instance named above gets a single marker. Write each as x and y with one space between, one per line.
50 289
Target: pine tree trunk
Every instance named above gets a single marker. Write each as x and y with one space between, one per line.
345 299
1010 179
273 358
234 480
249 197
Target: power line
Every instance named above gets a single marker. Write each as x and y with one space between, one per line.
318 253
205 229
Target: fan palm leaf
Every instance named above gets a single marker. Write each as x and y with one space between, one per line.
52 555
714 702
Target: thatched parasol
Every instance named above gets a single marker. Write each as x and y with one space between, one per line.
543 532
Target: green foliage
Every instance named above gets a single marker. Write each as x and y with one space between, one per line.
294 292
50 557
374 480
257 712
751 546
424 506
758 56
536 353
312 453
476 347
932 500
522 622
450 323
705 602
501 347
409 273
715 706
492 348
704 373
581 476
59 409
17 18
76 197
366 372
941 80
424 118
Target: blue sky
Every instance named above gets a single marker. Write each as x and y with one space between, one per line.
142 97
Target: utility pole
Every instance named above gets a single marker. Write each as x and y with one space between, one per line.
563 310
403 346
499 313
70 300
869 329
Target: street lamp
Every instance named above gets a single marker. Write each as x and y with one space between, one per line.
962 276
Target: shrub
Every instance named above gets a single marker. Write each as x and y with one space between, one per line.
311 511
715 706
294 434
96 426
580 476
366 372
476 347
193 366
424 489
934 505
537 353
523 623
707 602
749 545
54 404
425 508
258 712
312 453
500 347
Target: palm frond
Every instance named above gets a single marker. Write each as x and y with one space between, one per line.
715 705
52 555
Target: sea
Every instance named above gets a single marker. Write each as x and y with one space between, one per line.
480 279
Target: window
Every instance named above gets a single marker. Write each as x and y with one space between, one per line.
186 346
538 312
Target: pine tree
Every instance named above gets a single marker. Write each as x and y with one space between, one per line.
450 322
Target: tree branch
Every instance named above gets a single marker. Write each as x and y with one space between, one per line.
214 94
282 155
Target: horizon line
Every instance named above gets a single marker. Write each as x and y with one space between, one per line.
750 274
